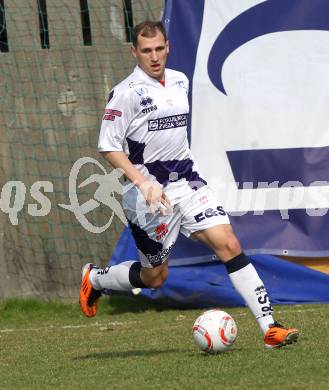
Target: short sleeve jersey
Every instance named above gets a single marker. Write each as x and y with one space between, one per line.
148 121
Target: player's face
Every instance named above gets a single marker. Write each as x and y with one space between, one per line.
151 54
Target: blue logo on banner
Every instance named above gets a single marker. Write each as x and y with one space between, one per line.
265 18
268 17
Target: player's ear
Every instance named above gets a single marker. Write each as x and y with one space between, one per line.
167 44
133 50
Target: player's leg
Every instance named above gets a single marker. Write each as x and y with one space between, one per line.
129 275
154 239
208 222
243 275
125 276
245 279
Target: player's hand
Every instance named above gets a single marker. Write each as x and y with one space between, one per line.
155 197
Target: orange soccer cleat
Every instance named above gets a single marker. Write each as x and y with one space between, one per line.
89 297
277 336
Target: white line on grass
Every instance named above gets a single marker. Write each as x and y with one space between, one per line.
282 312
104 326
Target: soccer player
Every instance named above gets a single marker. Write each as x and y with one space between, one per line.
143 133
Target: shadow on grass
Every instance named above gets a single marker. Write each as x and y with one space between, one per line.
125 354
120 304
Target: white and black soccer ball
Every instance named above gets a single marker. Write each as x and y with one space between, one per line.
214 331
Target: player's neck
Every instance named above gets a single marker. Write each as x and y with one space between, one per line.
162 82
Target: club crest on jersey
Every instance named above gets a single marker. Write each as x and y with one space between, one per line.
140 91
147 102
110 115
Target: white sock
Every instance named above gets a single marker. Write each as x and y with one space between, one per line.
112 278
249 285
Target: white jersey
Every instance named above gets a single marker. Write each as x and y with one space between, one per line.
148 121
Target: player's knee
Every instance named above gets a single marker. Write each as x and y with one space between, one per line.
156 277
156 282
233 245
229 248
160 279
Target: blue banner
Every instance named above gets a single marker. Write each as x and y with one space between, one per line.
197 279
258 75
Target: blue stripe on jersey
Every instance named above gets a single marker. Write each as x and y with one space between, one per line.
136 151
173 170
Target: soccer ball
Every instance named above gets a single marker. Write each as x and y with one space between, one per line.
214 331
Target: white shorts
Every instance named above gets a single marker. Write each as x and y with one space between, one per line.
155 235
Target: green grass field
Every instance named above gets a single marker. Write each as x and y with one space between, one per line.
138 345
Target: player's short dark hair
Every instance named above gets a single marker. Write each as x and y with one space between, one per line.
147 29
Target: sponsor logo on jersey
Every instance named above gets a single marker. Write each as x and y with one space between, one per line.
149 109
160 231
157 259
208 213
147 102
110 115
168 122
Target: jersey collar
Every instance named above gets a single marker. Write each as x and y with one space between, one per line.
145 78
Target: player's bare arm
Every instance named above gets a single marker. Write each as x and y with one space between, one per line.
151 190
